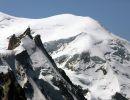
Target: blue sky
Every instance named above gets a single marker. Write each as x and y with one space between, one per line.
114 15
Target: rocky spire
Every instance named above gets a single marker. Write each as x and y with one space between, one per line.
15 41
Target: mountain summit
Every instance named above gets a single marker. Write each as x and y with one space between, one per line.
52 28
96 62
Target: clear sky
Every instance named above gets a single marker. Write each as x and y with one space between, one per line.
114 15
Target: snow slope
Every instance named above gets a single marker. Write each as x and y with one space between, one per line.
91 56
51 28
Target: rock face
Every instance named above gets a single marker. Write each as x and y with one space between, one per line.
32 74
9 88
15 41
118 96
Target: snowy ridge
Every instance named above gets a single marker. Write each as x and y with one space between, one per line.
52 28
29 63
101 67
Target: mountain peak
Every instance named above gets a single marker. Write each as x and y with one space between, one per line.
53 28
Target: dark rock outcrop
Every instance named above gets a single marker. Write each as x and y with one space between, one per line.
9 88
119 96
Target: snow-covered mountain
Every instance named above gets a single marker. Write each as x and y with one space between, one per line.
92 57
30 70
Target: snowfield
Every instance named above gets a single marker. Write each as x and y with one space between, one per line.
91 56
52 28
